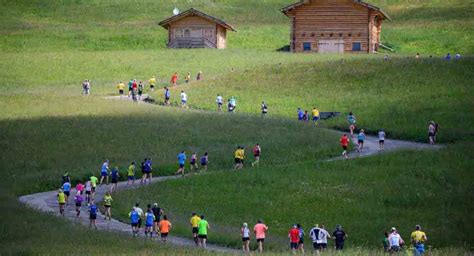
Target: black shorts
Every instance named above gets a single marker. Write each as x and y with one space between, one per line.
93 189
181 165
381 141
318 246
195 230
93 216
260 240
202 236
88 192
114 180
140 93
294 246
78 204
121 92
237 160
301 241
344 147
152 86
339 246
140 223
67 193
167 98
430 134
135 225
257 154
360 141
245 239
192 162
163 235
107 206
203 164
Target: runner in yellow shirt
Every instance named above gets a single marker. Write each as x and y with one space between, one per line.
152 83
315 113
61 201
418 238
121 87
108 204
194 224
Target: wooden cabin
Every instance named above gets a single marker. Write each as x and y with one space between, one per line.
334 26
195 29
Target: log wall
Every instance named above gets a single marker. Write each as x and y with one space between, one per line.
199 27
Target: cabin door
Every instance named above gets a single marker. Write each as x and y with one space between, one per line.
331 46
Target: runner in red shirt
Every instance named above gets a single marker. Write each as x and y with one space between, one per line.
344 143
294 235
174 79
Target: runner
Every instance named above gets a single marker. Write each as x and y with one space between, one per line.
385 242
256 154
93 179
134 217
147 168
418 238
352 123
306 116
232 104
395 241
65 178
431 132
157 211
85 87
67 191
195 219
115 178
140 215
108 204
134 90
300 114
264 108
301 236
188 77
181 161
93 215
203 226
237 159
130 87
205 161
294 236
88 189
61 201
220 102
314 234
245 232
260 230
193 162
152 82
167 96
360 140
199 76
78 200
140 89
322 240
104 173
174 79
149 222
344 143
184 99
315 113
80 187
131 174
340 237
165 227
381 140
121 88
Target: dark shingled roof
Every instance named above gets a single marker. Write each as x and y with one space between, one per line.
193 12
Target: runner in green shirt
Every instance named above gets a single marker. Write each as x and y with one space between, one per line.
94 181
203 226
61 201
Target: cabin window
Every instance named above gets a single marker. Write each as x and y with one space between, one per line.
306 46
356 47
178 33
187 33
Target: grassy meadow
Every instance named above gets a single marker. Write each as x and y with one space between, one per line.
47 48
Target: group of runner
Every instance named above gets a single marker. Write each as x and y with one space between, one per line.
304 116
393 242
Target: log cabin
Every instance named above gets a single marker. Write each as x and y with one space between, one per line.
195 29
334 26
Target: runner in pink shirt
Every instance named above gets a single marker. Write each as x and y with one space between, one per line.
79 187
260 229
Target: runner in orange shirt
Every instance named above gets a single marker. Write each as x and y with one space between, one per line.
165 227
344 143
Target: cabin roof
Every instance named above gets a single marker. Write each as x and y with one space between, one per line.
193 12
286 9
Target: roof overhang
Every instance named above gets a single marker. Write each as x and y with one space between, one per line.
193 12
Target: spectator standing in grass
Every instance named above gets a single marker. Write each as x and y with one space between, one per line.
315 113
140 88
203 227
93 215
104 172
322 240
344 143
157 211
352 123
300 114
220 102
199 76
152 82
181 162
131 174
134 217
108 205
245 233
381 139
67 190
115 175
61 201
256 154
301 238
294 236
264 108
195 219
340 237
205 161
360 140
187 78
193 162
174 79
260 231
418 238
78 200
184 99
149 222
395 241
88 189
121 88
167 96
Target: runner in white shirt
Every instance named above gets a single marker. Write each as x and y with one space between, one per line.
395 241
184 99
88 192
381 139
220 102
314 234
140 213
323 238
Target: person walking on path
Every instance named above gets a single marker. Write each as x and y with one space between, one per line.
203 226
245 233
61 201
130 87
432 132
104 172
86 87
260 231
395 241
80 187
314 234
121 88
94 181
78 201
140 215
204 161
184 100
165 227
134 90
181 162
418 239
220 102
194 221
193 162
108 204
131 174
115 178
301 236
340 237
174 79
134 217
344 143
67 191
147 169
315 113
187 78
140 88
382 140
360 140
352 123
322 239
294 236
88 189
264 108
152 82
157 211
93 215
149 222
167 96
256 154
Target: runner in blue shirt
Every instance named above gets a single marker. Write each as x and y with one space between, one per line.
181 161
93 215
204 161
67 191
115 177
149 222
300 115
134 219
104 172
360 140
167 96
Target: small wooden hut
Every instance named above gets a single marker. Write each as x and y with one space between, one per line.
334 26
195 29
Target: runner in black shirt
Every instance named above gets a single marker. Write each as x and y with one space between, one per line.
339 236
